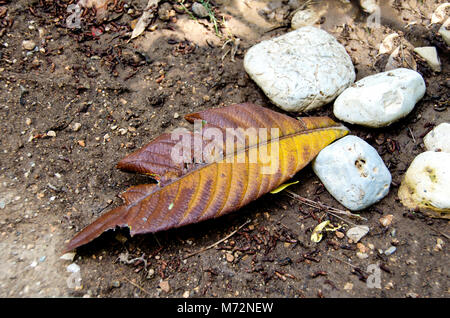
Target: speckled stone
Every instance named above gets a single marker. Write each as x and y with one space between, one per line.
300 70
353 172
426 184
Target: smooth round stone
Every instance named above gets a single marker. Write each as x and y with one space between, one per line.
358 232
304 18
28 45
300 70
381 99
199 10
370 6
438 139
426 185
353 172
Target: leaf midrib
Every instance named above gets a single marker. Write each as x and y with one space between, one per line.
236 153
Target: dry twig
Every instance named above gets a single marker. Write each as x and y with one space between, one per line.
137 286
218 242
324 207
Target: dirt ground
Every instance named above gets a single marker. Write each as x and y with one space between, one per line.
104 96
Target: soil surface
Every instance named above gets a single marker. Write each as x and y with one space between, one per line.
82 99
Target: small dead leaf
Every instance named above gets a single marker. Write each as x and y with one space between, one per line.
145 18
324 226
317 233
282 187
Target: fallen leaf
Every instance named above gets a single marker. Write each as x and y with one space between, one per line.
317 235
145 18
282 187
192 190
324 226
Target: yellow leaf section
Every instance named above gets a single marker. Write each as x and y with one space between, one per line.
227 185
282 187
317 235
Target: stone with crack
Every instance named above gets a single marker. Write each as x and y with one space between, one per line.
300 70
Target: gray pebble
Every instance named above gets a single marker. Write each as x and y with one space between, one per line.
199 10
391 250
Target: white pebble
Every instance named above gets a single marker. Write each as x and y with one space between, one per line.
304 18
28 45
426 184
381 99
68 256
389 44
441 13
76 127
51 133
357 233
73 268
300 70
444 31
438 139
391 250
362 255
370 6
353 172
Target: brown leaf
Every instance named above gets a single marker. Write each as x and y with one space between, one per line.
145 19
198 189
